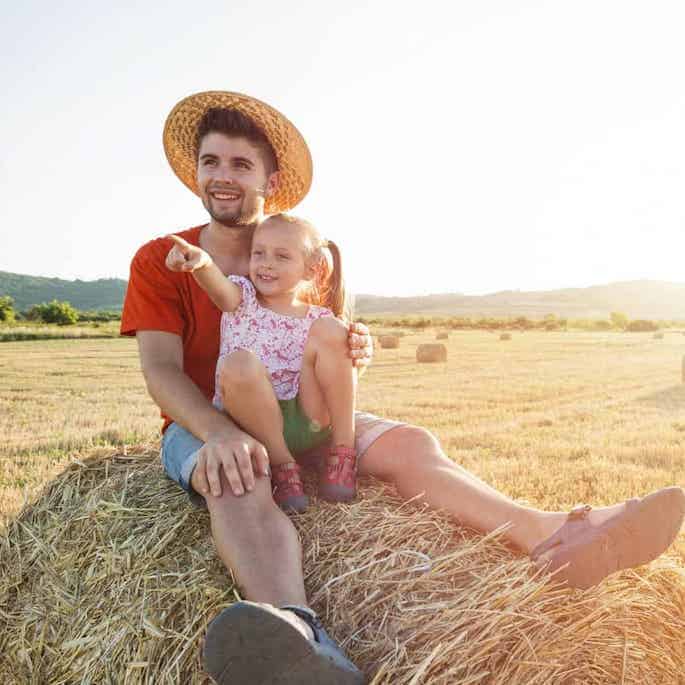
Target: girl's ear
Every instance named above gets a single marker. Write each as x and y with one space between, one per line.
313 270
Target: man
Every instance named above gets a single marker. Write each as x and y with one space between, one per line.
245 160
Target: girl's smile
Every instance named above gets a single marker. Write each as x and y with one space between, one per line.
277 262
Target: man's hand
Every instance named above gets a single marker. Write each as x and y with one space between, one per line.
361 345
235 453
186 257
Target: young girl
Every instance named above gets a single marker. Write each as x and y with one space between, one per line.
283 372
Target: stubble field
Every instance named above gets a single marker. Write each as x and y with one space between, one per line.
551 419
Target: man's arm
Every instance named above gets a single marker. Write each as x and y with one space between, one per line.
226 447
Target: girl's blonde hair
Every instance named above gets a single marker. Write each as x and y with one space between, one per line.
327 288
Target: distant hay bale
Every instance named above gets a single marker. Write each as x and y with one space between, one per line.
431 352
442 335
658 335
505 336
111 577
389 342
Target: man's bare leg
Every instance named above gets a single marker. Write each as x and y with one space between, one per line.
411 458
259 543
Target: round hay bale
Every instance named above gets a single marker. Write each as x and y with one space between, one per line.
658 335
442 335
431 352
389 342
505 336
111 577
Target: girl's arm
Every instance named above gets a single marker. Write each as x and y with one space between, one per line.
183 256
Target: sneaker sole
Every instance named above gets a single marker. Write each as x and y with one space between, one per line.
252 644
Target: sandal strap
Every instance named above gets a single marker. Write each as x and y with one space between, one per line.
341 463
579 512
576 520
340 453
308 616
286 478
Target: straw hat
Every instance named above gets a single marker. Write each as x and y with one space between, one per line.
292 153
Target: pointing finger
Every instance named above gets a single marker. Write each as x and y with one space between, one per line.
182 244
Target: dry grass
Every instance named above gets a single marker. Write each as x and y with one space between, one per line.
110 576
62 398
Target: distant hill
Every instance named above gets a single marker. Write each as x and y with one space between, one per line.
637 299
105 293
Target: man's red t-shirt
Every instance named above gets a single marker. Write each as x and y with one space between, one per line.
158 299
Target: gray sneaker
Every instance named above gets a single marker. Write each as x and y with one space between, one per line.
249 643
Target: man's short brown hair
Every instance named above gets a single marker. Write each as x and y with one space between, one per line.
233 123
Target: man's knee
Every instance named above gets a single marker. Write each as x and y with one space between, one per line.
241 367
253 505
403 451
417 443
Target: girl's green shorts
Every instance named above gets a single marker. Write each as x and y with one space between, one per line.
300 433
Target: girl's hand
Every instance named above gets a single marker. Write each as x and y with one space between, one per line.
186 257
361 345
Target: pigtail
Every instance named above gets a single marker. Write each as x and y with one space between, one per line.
326 288
330 285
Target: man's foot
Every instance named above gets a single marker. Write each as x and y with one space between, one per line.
257 644
635 534
338 478
288 490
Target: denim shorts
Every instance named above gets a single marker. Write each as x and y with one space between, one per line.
180 448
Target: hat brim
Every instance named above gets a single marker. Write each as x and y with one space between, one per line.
292 153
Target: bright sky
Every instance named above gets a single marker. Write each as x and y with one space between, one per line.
466 146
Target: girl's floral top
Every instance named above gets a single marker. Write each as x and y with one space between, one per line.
277 339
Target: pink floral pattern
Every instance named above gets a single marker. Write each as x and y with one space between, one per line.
277 339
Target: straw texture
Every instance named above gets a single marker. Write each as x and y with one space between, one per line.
431 352
292 153
111 577
389 342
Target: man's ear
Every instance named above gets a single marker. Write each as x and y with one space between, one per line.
272 183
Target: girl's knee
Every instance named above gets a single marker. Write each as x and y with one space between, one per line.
328 331
241 367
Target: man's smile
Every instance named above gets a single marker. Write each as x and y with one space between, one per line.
224 194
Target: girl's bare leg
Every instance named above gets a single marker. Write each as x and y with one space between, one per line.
328 381
249 398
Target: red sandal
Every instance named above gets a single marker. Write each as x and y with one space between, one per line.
338 478
288 491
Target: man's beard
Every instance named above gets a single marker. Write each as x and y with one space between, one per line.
246 215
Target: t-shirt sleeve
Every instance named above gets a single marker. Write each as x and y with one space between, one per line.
249 302
153 301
